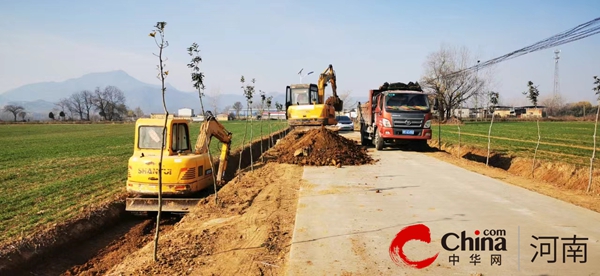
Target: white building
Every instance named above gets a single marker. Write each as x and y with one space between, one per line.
185 112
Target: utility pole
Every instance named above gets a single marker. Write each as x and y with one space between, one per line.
477 92
556 92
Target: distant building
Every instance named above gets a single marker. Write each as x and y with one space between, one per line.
351 113
185 112
531 111
462 112
504 111
223 117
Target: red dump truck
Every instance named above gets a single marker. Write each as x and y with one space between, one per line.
396 114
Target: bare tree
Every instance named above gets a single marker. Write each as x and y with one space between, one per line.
532 94
14 109
269 102
22 114
346 97
99 102
88 103
138 112
263 98
243 81
77 104
215 95
248 93
494 101
160 29
198 81
279 106
445 77
114 103
64 105
238 106
597 90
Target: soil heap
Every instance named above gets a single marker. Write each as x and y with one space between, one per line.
320 147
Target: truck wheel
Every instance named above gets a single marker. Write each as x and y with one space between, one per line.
378 141
364 141
421 145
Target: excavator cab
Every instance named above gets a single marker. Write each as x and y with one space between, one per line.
184 172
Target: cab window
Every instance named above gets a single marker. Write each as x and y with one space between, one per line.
314 94
181 141
149 137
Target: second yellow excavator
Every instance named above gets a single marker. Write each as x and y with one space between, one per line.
306 106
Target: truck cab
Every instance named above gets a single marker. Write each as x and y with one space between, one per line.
396 117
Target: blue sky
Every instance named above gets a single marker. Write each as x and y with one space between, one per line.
368 42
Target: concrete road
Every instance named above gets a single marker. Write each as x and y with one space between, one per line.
348 217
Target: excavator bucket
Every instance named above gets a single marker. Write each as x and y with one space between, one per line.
171 205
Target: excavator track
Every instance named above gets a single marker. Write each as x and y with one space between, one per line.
171 205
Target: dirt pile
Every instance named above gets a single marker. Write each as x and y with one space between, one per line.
320 147
247 233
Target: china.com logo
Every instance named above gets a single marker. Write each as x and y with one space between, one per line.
492 240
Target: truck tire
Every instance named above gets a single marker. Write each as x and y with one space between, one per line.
364 140
378 141
420 145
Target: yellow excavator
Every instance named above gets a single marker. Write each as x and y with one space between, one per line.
184 172
306 106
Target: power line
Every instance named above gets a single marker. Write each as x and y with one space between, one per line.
574 34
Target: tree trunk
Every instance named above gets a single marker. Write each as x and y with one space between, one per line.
536 147
440 114
261 138
243 145
160 173
251 138
593 153
489 141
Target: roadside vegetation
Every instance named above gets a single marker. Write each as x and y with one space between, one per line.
569 142
50 172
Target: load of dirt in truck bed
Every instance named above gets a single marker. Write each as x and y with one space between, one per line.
320 147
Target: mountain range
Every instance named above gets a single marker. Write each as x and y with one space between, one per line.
40 98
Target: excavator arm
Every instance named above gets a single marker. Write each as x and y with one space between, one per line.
212 128
329 76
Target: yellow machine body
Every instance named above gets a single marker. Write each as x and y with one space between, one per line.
185 171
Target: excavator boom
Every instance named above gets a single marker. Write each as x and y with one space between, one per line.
212 128
329 76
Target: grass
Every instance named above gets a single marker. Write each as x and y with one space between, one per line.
50 172
570 142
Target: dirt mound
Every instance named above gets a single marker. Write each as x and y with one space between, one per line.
320 147
248 233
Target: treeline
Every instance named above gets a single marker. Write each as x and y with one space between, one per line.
109 103
578 109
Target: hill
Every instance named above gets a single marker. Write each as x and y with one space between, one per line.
40 97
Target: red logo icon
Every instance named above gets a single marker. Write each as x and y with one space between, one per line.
418 232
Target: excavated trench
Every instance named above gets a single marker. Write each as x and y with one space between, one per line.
95 242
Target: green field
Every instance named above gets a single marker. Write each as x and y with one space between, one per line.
570 142
48 172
